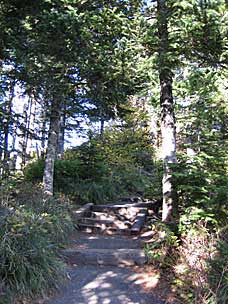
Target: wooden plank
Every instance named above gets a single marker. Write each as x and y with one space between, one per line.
117 257
83 211
92 220
104 229
139 221
106 208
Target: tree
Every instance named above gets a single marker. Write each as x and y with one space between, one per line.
168 128
181 33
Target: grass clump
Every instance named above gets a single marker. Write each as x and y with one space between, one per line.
31 235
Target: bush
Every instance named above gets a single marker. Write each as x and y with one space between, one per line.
162 249
96 172
218 275
34 171
31 235
202 182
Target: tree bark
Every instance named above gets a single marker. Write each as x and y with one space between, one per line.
102 123
61 137
48 177
168 129
6 130
27 129
43 135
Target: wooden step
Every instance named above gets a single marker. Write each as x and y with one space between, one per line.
92 220
117 257
89 228
104 215
106 208
139 221
98 241
83 211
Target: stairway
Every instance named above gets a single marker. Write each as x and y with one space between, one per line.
109 235
103 255
123 218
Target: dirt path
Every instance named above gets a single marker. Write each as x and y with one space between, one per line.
93 283
103 285
109 269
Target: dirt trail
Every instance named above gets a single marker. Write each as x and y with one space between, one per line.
104 268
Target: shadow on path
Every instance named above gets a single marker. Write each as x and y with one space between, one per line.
103 285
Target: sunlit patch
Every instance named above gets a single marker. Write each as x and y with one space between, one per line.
147 280
181 268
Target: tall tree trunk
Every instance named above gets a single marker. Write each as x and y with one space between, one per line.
27 129
14 139
8 117
30 127
23 129
43 137
102 122
168 130
61 137
48 177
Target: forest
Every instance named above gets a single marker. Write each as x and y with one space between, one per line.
103 99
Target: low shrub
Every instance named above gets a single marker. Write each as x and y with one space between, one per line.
218 274
34 171
94 180
162 248
31 236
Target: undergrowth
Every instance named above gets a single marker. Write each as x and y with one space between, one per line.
196 264
96 173
32 230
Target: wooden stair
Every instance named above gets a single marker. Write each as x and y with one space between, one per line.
109 235
121 218
107 257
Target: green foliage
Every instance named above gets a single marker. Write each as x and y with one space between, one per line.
102 169
31 234
34 171
218 275
162 248
202 183
28 262
192 216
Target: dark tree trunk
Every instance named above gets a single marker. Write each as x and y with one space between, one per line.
23 129
168 130
8 117
43 137
102 122
48 177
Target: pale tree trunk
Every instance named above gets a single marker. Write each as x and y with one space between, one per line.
30 127
61 137
14 152
48 177
168 130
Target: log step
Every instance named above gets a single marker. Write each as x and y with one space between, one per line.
139 221
89 228
83 211
105 208
98 241
91 221
117 257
